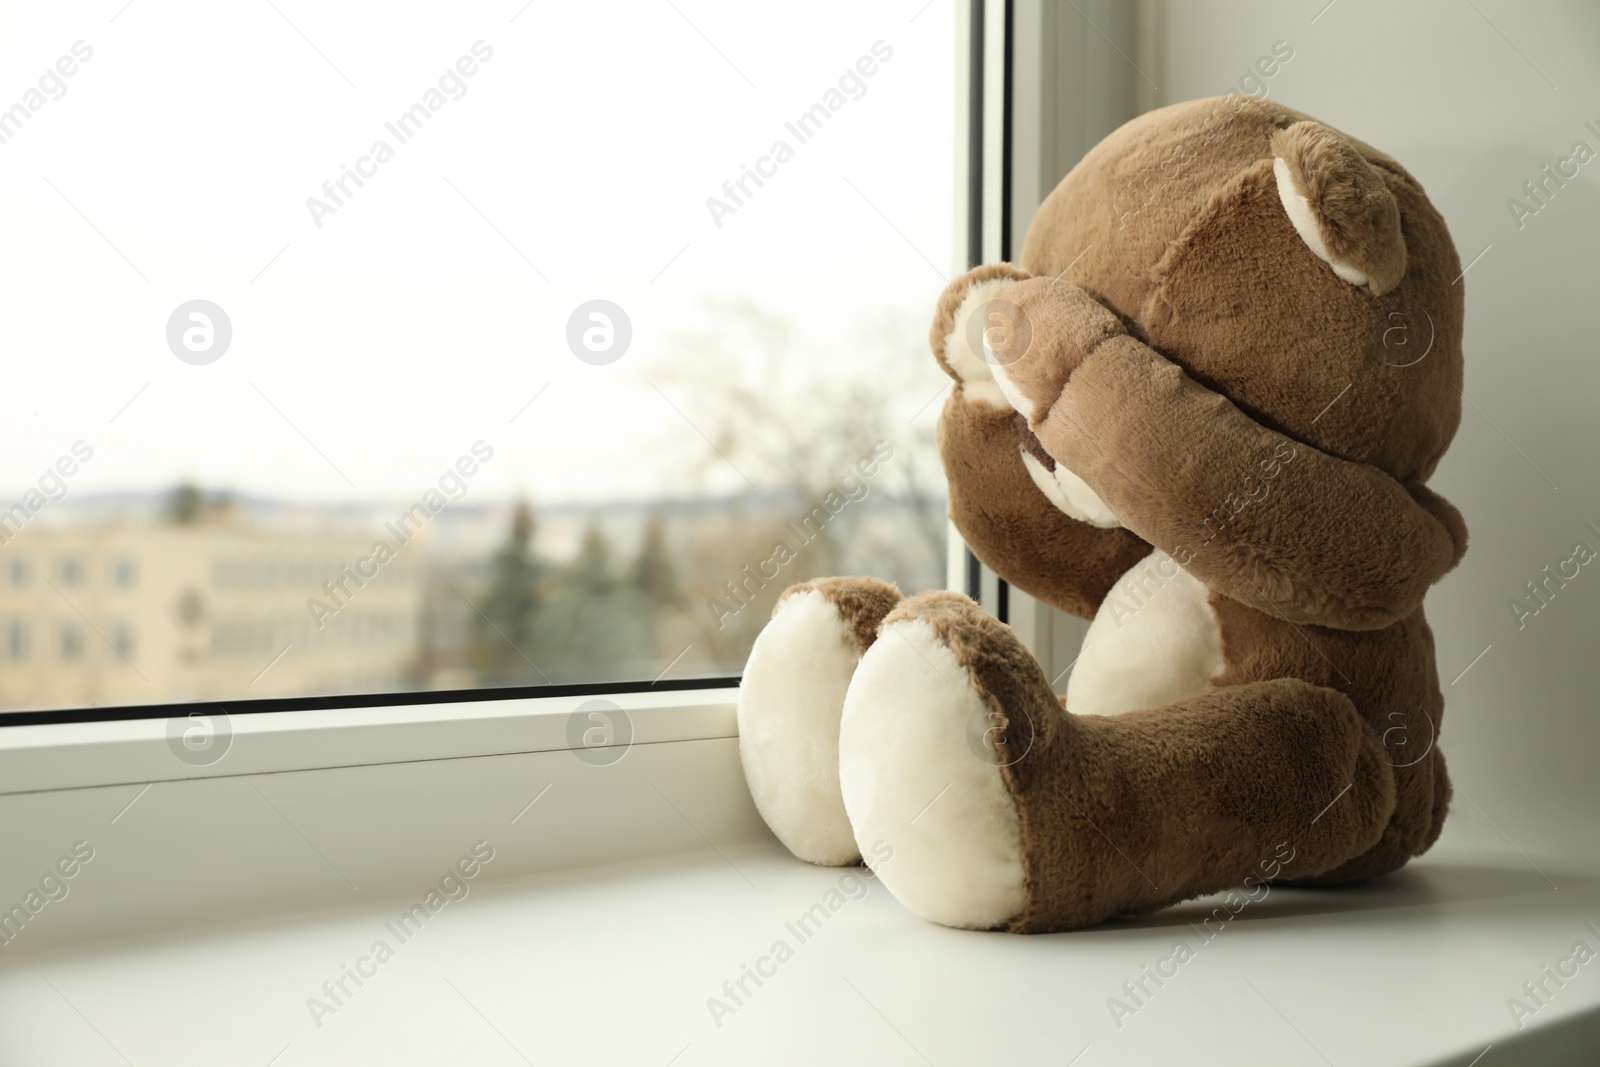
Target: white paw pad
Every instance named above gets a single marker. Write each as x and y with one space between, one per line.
912 779
974 362
789 707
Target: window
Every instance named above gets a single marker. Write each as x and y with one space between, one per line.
478 361
71 641
17 572
16 640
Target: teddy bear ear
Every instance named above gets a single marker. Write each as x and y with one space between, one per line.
1339 205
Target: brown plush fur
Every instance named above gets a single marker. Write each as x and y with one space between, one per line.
1012 527
1360 221
944 314
1203 263
861 602
1130 813
1240 406
1244 409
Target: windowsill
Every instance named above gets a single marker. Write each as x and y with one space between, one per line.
221 897
84 755
310 811
616 965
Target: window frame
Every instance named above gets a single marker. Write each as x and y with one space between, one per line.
980 204
439 765
1025 110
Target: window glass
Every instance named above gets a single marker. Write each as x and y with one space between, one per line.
366 348
71 641
16 639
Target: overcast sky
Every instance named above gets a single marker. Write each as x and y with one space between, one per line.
429 308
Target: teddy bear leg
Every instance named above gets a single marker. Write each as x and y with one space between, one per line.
1422 799
789 705
987 805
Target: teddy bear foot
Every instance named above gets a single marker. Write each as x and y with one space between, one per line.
998 809
919 766
790 701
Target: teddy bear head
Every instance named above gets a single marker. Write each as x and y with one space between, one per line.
1297 271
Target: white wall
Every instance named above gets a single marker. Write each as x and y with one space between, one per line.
1474 114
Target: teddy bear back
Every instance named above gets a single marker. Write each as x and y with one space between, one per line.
1299 272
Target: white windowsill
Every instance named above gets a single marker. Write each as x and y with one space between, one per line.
617 966
220 898
82 755
309 811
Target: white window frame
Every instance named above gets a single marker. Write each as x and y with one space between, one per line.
83 748
116 778
1069 85
1061 102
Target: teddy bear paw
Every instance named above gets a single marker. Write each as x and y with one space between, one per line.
920 770
790 701
964 325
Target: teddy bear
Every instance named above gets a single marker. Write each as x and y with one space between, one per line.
1199 411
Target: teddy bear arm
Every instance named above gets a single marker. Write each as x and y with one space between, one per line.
1010 525
1043 329
1259 517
